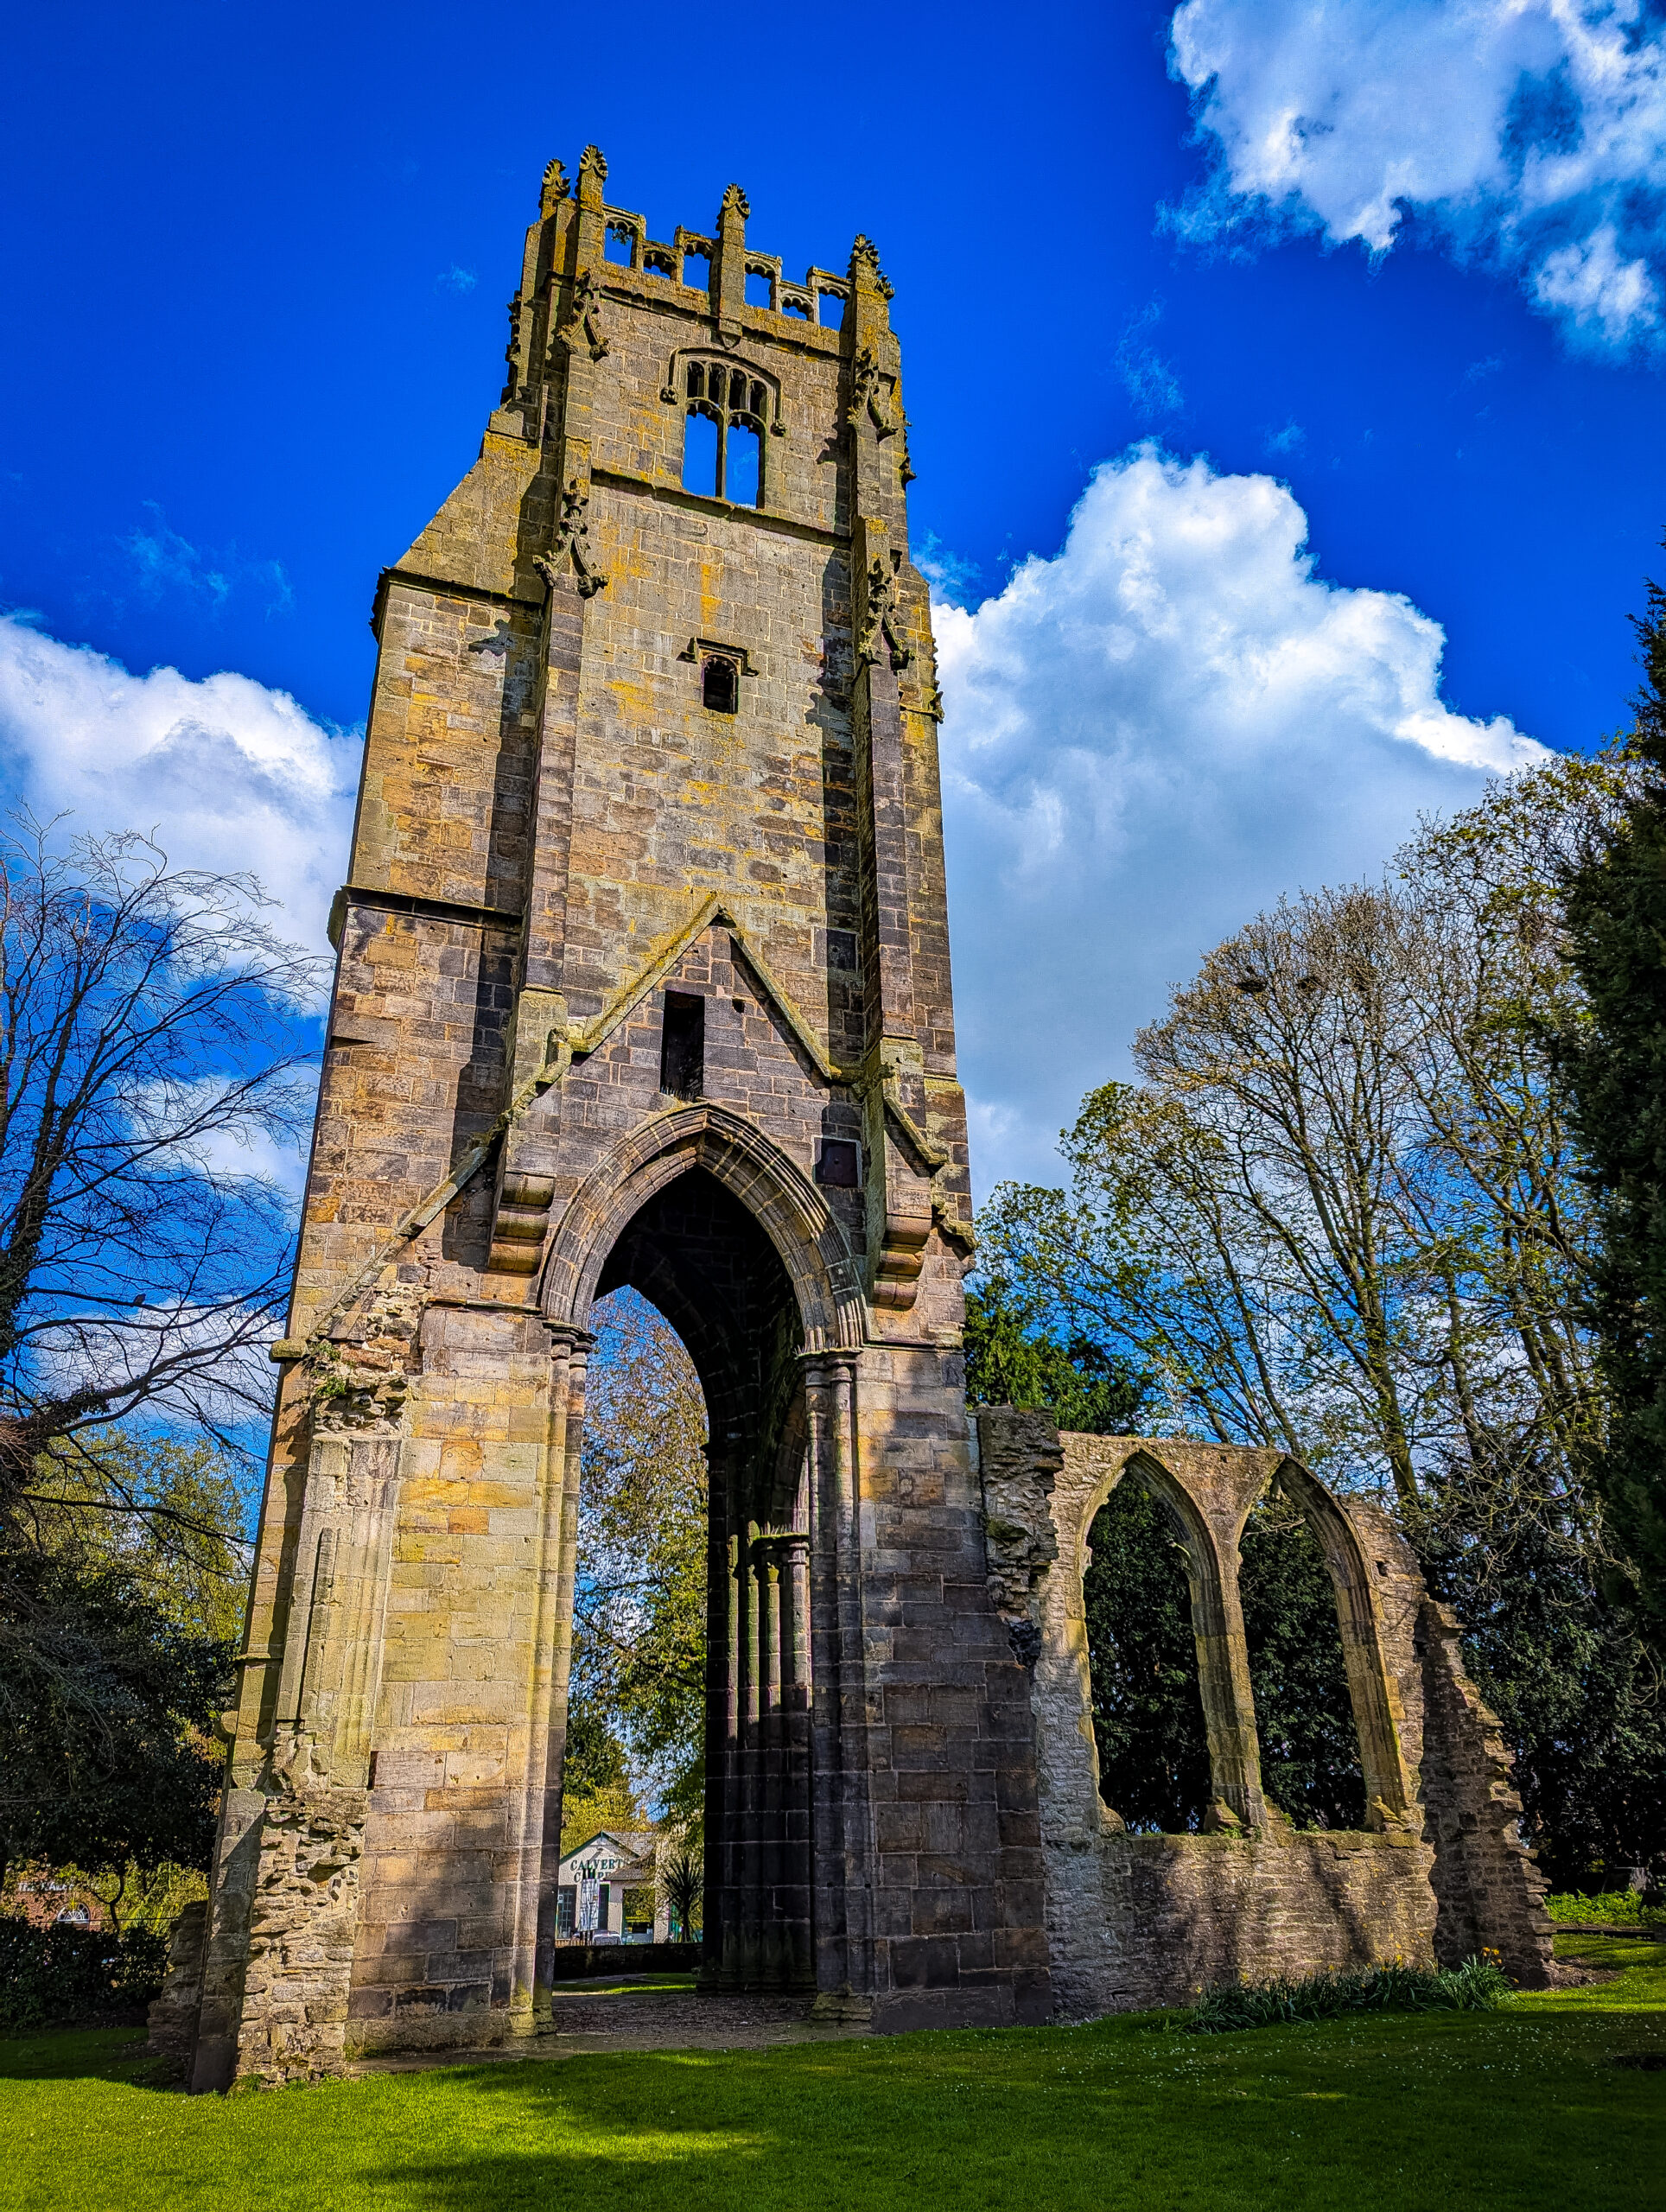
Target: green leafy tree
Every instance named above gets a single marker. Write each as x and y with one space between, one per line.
1142 1666
1011 1360
123 1575
105 1705
639 1641
1614 1056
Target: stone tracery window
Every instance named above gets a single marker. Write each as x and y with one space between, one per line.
736 405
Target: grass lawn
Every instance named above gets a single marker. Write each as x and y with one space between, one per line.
1430 2113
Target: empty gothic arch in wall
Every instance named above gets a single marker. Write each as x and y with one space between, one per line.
1217 1627
1388 1792
776 1194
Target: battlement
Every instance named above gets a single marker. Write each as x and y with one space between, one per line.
686 264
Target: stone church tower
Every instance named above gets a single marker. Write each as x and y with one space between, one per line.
643 979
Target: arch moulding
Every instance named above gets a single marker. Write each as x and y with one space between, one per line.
773 1188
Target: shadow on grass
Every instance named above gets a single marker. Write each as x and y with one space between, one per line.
1531 2107
85 2055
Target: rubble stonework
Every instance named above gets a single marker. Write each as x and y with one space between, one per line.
1137 1920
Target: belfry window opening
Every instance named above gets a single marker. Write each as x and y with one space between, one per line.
723 433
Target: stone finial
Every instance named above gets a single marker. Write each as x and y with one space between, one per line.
592 175
865 266
555 188
736 207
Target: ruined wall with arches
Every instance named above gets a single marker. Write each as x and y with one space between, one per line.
1438 1871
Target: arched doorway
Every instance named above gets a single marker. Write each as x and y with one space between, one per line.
699 1256
739 1251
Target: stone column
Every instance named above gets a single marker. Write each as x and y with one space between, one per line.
538 1851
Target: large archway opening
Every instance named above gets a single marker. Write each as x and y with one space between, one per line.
694 1258
1309 1741
1148 1722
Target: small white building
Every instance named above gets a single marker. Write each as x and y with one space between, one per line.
594 1878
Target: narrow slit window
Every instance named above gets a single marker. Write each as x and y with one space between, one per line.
700 453
742 472
683 1044
621 245
720 686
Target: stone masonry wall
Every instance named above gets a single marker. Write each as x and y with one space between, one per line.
553 831
1137 1920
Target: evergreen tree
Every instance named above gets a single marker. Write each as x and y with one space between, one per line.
1615 1060
1012 1360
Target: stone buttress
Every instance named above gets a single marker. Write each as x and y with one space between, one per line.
643 977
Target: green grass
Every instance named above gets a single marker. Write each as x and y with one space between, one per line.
1410 2113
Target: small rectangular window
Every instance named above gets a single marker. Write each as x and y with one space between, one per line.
683 1044
720 686
838 1164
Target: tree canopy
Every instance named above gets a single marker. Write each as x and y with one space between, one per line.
1614 1053
1346 1211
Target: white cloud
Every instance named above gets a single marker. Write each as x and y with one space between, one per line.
1147 739
1532 131
226 773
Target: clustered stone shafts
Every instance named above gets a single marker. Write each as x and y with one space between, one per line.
1137 1920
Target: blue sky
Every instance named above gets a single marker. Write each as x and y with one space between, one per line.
1401 452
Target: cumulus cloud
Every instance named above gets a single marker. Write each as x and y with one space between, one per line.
1145 741
1532 133
223 772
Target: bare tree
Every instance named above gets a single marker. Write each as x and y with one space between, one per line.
1342 1212
152 1041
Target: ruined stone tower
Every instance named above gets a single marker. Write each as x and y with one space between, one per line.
643 978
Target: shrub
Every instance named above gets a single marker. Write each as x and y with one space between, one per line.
1610 1908
50 1974
1477 1985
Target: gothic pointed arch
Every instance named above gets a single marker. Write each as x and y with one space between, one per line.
1387 1791
774 1191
